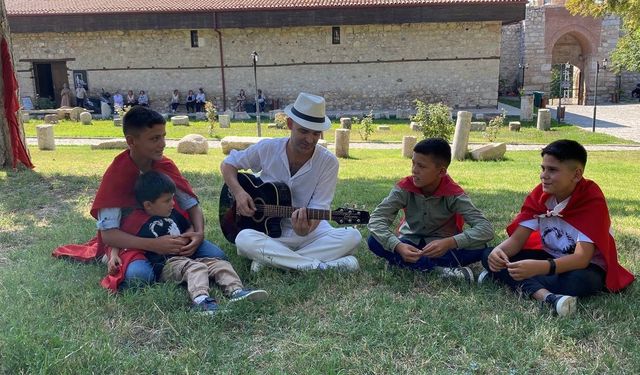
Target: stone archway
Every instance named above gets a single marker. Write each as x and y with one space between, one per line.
568 66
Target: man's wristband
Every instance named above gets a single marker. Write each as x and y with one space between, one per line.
552 267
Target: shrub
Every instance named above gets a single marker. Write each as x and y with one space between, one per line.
493 128
434 119
281 120
212 115
365 126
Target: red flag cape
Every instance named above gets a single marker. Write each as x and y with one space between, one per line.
11 106
446 188
586 211
116 190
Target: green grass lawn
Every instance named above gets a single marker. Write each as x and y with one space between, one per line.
399 128
56 319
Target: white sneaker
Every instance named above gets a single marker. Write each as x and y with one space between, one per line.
484 275
348 263
256 266
464 273
563 305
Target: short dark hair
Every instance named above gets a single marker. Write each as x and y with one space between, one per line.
151 185
138 117
566 149
437 148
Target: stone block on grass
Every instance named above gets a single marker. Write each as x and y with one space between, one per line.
491 151
51 119
478 126
180 120
384 127
225 121
85 118
241 116
110 145
514 126
193 144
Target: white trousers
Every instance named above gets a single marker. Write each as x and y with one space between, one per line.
299 253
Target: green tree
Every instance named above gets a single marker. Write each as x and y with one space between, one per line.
627 53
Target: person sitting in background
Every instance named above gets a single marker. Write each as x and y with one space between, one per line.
118 99
200 99
175 101
143 99
191 102
131 99
636 92
262 101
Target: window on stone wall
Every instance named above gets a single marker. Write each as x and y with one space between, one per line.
335 35
194 38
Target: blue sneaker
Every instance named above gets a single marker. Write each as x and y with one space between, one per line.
207 307
250 294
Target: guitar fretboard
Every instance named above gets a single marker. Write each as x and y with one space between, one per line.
272 210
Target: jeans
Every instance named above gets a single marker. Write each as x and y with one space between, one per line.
452 258
141 271
578 283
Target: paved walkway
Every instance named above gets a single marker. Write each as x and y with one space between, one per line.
32 141
619 120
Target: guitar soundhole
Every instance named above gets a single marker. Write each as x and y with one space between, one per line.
260 214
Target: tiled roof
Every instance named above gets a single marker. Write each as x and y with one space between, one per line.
59 7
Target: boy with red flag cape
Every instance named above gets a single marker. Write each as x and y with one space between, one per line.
435 209
144 130
560 245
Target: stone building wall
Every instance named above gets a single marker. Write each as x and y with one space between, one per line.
539 57
373 67
511 47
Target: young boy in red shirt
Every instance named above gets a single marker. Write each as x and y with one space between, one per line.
565 216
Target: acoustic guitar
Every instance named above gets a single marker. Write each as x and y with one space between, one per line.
273 202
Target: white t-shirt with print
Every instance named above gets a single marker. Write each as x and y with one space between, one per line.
559 238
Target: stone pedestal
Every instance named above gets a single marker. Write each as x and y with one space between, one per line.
105 110
544 119
45 137
526 108
514 126
117 121
461 135
408 143
345 122
225 121
85 118
415 126
342 143
180 120
25 116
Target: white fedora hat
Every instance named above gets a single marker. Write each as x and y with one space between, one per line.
309 112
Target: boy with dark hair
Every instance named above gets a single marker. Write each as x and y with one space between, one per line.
157 217
435 209
144 131
567 217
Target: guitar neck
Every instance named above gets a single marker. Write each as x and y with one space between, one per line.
273 210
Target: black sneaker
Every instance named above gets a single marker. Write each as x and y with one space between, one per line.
207 307
561 304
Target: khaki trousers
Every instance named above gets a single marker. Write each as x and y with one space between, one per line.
197 272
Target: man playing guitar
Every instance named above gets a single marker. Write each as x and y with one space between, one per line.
311 172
